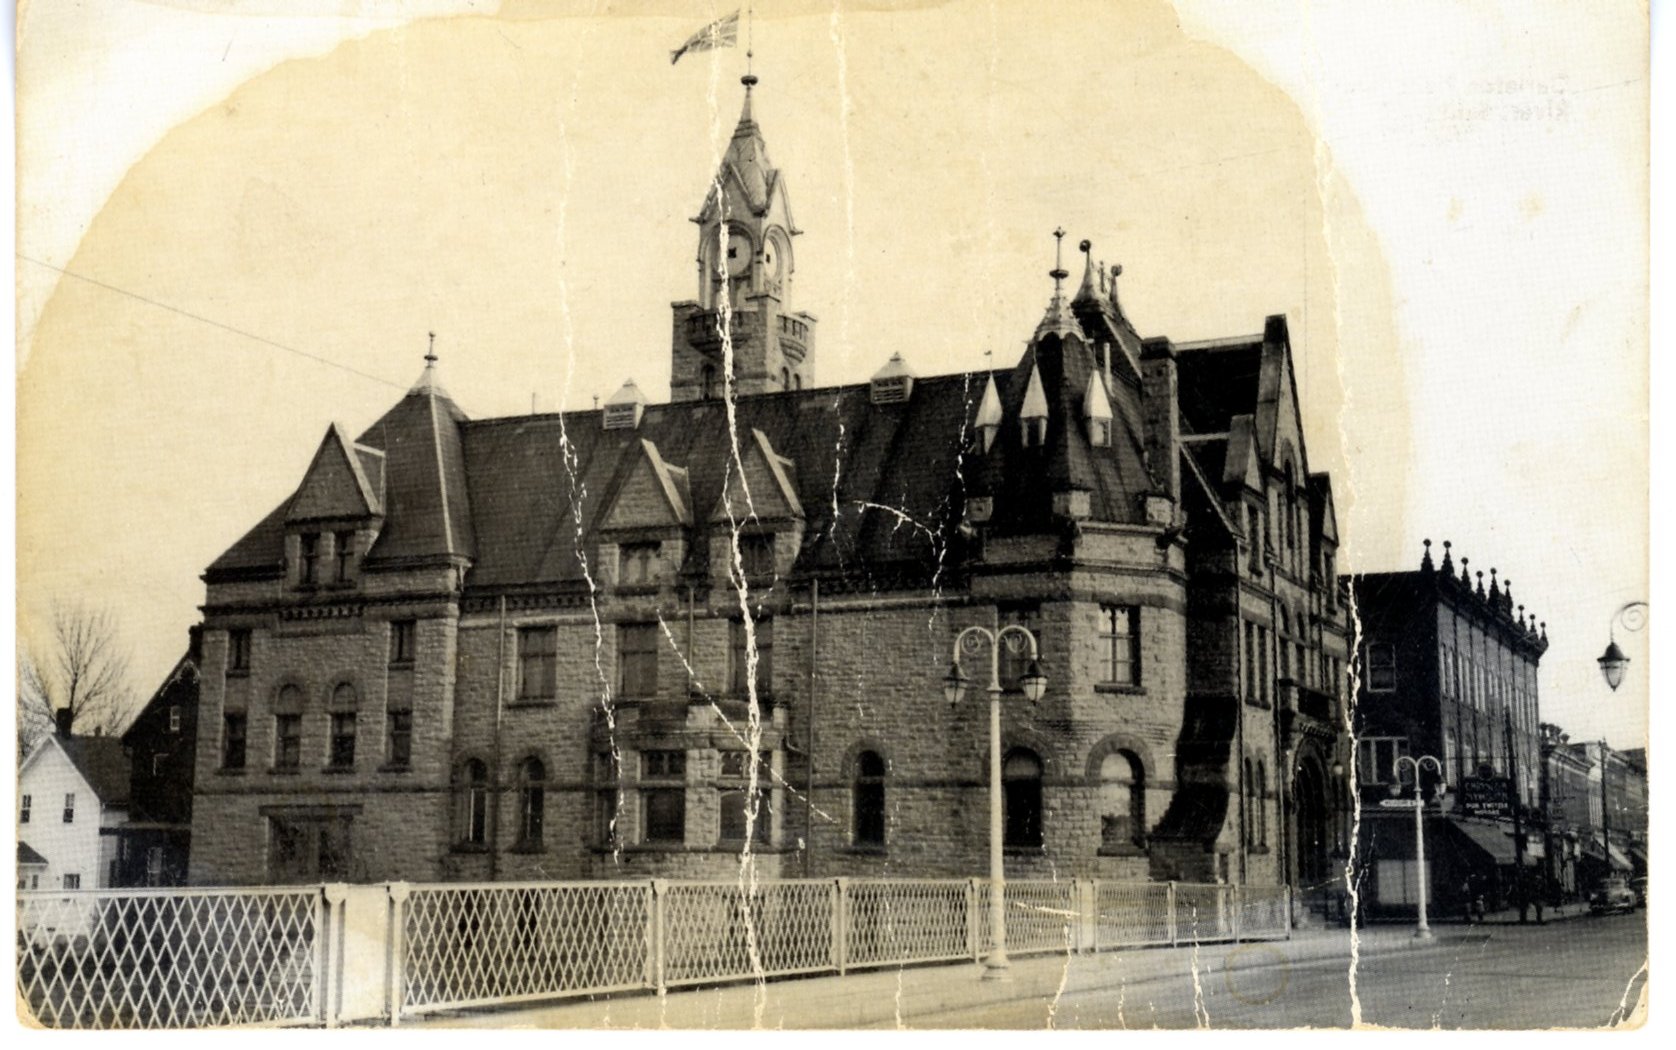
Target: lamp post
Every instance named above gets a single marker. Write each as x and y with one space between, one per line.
1421 931
1034 683
1633 615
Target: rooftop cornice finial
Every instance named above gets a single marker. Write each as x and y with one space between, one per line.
1426 559
430 350
1088 290
1448 560
1466 575
1058 272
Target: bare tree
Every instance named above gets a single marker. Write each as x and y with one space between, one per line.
82 668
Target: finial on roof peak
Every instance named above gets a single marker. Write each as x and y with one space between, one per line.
1092 278
1058 272
427 382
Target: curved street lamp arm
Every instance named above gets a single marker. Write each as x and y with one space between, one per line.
1633 615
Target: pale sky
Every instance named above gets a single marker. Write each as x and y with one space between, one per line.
1449 203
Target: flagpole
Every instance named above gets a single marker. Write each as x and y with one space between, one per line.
750 37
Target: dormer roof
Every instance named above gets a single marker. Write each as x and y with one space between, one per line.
337 483
760 487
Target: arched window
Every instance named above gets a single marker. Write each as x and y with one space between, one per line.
1021 795
471 794
869 826
342 716
1260 806
1122 801
532 802
288 728
785 379
797 380
708 381
1249 814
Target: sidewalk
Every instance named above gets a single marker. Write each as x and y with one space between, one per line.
875 997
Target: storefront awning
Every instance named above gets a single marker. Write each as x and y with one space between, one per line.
1494 839
1620 859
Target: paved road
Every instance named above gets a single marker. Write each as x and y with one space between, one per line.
1583 973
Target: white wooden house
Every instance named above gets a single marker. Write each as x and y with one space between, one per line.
72 794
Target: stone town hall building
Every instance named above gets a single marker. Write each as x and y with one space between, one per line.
528 647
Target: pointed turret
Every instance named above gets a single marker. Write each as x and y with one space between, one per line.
988 420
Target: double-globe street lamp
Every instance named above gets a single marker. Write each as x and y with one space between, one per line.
1613 662
1421 931
1034 684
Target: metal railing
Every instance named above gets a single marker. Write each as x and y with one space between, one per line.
171 958
177 958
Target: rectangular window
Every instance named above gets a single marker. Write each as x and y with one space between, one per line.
26 804
70 808
1382 667
607 798
538 649
400 744
756 554
157 763
288 741
1398 881
1376 759
232 740
1015 652
346 556
1120 643
663 795
72 880
638 564
309 849
402 637
309 551
739 652
733 801
343 740
174 719
1263 665
154 866
637 659
1251 662
238 651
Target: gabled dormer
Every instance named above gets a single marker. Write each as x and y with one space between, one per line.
759 505
644 530
335 515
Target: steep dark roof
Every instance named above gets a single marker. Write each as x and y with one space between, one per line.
1217 381
102 763
427 511
26 855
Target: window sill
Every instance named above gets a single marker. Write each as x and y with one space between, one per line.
1129 850
238 672
468 847
404 767
527 848
1258 851
1120 688
1024 851
231 771
402 665
337 771
286 771
866 851
532 701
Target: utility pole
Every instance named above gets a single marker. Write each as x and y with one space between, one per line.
1520 884
1605 809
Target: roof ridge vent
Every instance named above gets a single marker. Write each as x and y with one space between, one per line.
624 408
894 383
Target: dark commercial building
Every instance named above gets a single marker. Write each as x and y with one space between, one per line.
161 743
1447 668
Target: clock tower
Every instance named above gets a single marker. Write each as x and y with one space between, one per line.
745 266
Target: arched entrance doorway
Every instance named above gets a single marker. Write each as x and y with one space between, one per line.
1313 832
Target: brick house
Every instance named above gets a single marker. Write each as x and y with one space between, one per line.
162 749
641 639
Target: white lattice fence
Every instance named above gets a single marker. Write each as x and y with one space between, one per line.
1204 912
1128 914
476 945
715 931
1041 917
890 921
1264 912
170 958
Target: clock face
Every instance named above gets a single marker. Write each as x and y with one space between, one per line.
738 259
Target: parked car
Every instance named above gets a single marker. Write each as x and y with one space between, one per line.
1639 888
1613 895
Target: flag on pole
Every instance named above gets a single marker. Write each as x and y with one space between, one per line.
724 32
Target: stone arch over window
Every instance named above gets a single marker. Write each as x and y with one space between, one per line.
1021 795
868 814
532 802
471 802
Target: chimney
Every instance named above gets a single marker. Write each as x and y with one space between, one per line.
64 717
1161 415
